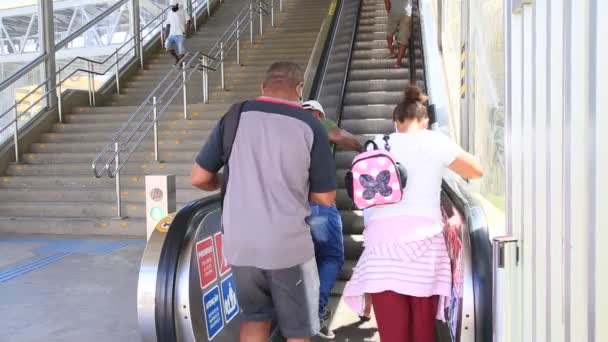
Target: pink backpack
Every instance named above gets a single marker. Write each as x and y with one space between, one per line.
375 177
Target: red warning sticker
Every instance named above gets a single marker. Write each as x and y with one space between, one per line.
219 248
206 262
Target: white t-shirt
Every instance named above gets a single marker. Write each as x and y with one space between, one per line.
425 155
177 20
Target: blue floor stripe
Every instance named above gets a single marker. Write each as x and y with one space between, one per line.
31 266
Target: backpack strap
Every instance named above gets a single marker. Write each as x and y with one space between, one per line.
386 144
369 142
230 125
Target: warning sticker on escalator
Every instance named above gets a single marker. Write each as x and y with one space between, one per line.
231 306
212 304
205 256
221 259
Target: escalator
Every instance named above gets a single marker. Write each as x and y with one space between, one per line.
359 88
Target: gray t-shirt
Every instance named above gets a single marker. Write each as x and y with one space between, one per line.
279 155
401 7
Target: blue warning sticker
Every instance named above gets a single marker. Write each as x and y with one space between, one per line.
231 306
212 305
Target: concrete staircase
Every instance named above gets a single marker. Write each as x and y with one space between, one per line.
54 192
373 90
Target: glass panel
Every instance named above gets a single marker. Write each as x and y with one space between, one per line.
488 95
451 38
150 20
97 44
33 101
19 35
69 16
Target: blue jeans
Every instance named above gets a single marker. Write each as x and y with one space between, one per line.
176 43
326 229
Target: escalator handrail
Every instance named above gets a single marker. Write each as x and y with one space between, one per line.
329 43
327 52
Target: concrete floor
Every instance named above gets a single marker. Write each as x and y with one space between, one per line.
84 289
68 289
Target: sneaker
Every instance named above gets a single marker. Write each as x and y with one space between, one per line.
326 333
364 318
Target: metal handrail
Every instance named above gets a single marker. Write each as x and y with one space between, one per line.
111 154
133 115
231 38
188 60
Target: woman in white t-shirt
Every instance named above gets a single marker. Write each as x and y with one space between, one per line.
405 265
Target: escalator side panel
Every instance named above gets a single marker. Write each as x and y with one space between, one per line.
168 265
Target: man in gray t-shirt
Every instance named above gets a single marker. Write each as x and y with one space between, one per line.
398 27
280 161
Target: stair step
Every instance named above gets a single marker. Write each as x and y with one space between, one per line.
83 226
90 209
131 195
377 97
106 136
74 169
137 157
63 183
374 111
169 145
114 126
369 126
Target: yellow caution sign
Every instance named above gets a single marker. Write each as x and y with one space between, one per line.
164 223
463 57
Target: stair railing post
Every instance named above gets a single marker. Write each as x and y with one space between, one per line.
155 128
16 133
281 6
162 29
59 105
238 43
92 75
141 55
272 13
116 72
205 80
251 23
89 83
185 90
208 9
261 18
117 179
222 65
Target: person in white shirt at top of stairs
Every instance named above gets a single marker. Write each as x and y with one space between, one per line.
177 28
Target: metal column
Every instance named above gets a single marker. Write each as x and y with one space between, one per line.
504 263
47 36
135 25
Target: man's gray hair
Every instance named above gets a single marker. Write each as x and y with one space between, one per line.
282 74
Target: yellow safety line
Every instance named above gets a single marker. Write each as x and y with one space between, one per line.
332 8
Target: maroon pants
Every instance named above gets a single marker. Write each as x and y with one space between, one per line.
404 318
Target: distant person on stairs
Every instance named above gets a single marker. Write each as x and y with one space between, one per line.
279 163
398 27
405 264
326 224
176 25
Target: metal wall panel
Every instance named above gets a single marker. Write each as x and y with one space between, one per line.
556 130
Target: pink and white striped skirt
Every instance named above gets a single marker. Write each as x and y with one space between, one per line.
415 268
